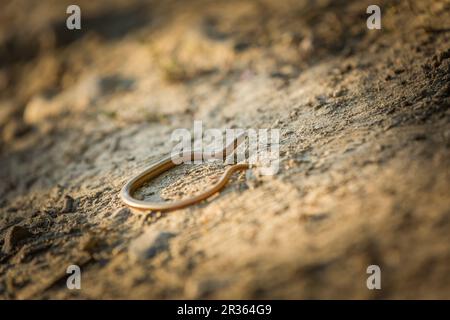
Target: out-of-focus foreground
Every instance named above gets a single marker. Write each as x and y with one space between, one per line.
365 148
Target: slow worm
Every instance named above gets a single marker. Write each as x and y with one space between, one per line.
167 163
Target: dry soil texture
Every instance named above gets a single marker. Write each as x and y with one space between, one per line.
365 148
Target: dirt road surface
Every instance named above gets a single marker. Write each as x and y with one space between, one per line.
364 149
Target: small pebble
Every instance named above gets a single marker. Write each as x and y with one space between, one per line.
121 215
444 91
444 55
339 93
13 236
149 244
69 204
89 243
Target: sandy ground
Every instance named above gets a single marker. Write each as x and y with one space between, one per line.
365 148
